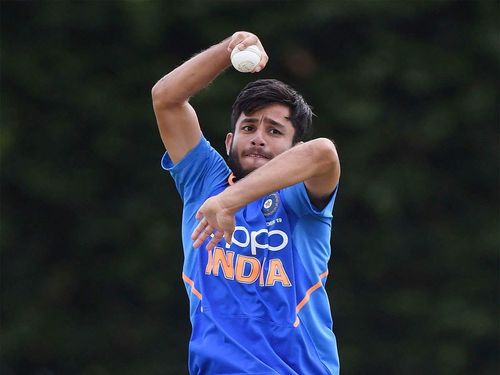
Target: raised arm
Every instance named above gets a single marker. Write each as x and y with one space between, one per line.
316 163
177 121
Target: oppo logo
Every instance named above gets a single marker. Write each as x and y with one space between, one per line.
259 239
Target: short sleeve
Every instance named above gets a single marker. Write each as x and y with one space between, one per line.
297 200
198 173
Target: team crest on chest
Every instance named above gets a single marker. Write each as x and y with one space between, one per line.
270 205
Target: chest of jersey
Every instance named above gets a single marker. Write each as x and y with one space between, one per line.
255 274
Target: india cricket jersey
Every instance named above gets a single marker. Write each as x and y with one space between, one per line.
259 305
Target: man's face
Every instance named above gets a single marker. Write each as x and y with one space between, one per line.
258 138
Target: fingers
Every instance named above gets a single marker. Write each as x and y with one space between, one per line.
243 39
263 62
201 233
228 237
205 230
199 228
215 240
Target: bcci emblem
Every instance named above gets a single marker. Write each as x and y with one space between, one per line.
270 205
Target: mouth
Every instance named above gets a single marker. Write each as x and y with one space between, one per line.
257 156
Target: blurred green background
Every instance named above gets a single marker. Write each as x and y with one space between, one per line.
90 234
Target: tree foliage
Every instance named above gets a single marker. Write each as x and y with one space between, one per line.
90 231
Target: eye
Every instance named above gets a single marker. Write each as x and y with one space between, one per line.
275 131
247 128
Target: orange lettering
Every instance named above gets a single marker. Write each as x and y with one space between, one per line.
210 263
248 269
225 260
241 261
277 273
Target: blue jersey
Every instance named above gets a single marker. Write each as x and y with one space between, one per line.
259 305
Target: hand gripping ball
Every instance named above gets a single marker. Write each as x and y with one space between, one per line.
245 60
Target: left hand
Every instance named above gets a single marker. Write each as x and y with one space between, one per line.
213 218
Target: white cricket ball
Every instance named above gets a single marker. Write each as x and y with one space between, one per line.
245 60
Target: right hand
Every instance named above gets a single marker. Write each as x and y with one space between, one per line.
214 219
243 39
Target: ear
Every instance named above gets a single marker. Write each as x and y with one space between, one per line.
229 141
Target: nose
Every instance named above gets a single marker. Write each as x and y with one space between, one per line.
258 139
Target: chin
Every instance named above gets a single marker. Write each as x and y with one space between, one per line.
242 166
251 165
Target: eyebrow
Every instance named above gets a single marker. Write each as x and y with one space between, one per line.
253 120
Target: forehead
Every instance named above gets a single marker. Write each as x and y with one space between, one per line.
279 113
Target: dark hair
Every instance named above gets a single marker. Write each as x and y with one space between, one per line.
263 92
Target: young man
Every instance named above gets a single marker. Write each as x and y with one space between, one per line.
256 237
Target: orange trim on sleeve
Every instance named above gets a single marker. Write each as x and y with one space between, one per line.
191 283
231 179
308 296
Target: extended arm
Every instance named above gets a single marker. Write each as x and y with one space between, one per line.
315 162
177 121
